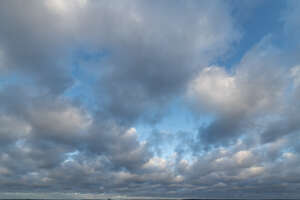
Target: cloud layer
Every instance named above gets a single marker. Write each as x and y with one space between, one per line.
78 80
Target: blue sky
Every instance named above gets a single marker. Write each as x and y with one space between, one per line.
174 99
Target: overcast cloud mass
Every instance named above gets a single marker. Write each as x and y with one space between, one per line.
149 99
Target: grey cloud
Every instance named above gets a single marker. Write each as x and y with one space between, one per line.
45 132
288 120
238 100
141 47
152 53
152 48
34 44
222 130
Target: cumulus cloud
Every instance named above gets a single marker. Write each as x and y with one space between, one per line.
238 98
216 89
137 58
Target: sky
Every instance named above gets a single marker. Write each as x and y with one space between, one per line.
157 99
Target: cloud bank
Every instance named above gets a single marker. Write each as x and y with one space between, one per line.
86 89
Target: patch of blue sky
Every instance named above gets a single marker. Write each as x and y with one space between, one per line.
264 19
7 80
70 156
14 78
178 118
179 122
83 72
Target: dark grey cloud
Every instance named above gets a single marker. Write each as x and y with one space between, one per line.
141 46
34 44
56 142
148 47
222 130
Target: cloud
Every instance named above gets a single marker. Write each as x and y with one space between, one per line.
152 48
33 44
239 98
216 89
137 58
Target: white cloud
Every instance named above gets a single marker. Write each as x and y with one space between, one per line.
156 162
64 7
252 172
243 156
215 89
